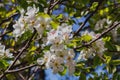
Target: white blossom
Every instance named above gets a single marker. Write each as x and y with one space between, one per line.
31 11
61 53
52 35
2 49
42 24
92 34
19 28
56 65
96 48
5 53
65 31
86 53
30 18
99 46
71 66
8 54
101 24
57 47
70 63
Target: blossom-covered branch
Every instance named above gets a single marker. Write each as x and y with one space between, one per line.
42 37
101 35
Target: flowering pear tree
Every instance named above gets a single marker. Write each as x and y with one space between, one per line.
36 35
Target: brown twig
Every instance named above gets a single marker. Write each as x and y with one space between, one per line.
51 1
21 69
21 76
52 5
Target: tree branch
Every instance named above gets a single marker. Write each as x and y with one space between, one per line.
83 24
19 54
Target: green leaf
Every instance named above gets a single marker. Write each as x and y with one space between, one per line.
63 72
60 16
111 68
117 47
11 77
116 76
80 65
82 76
77 72
44 15
13 1
12 42
33 48
101 12
86 38
54 24
106 9
110 46
3 64
71 45
115 62
24 36
118 30
108 38
23 3
97 61
47 48
108 59
94 5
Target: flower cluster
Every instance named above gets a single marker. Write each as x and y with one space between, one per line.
30 20
96 48
59 55
4 52
102 24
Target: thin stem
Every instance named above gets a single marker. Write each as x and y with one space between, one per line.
21 76
52 5
33 74
21 69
